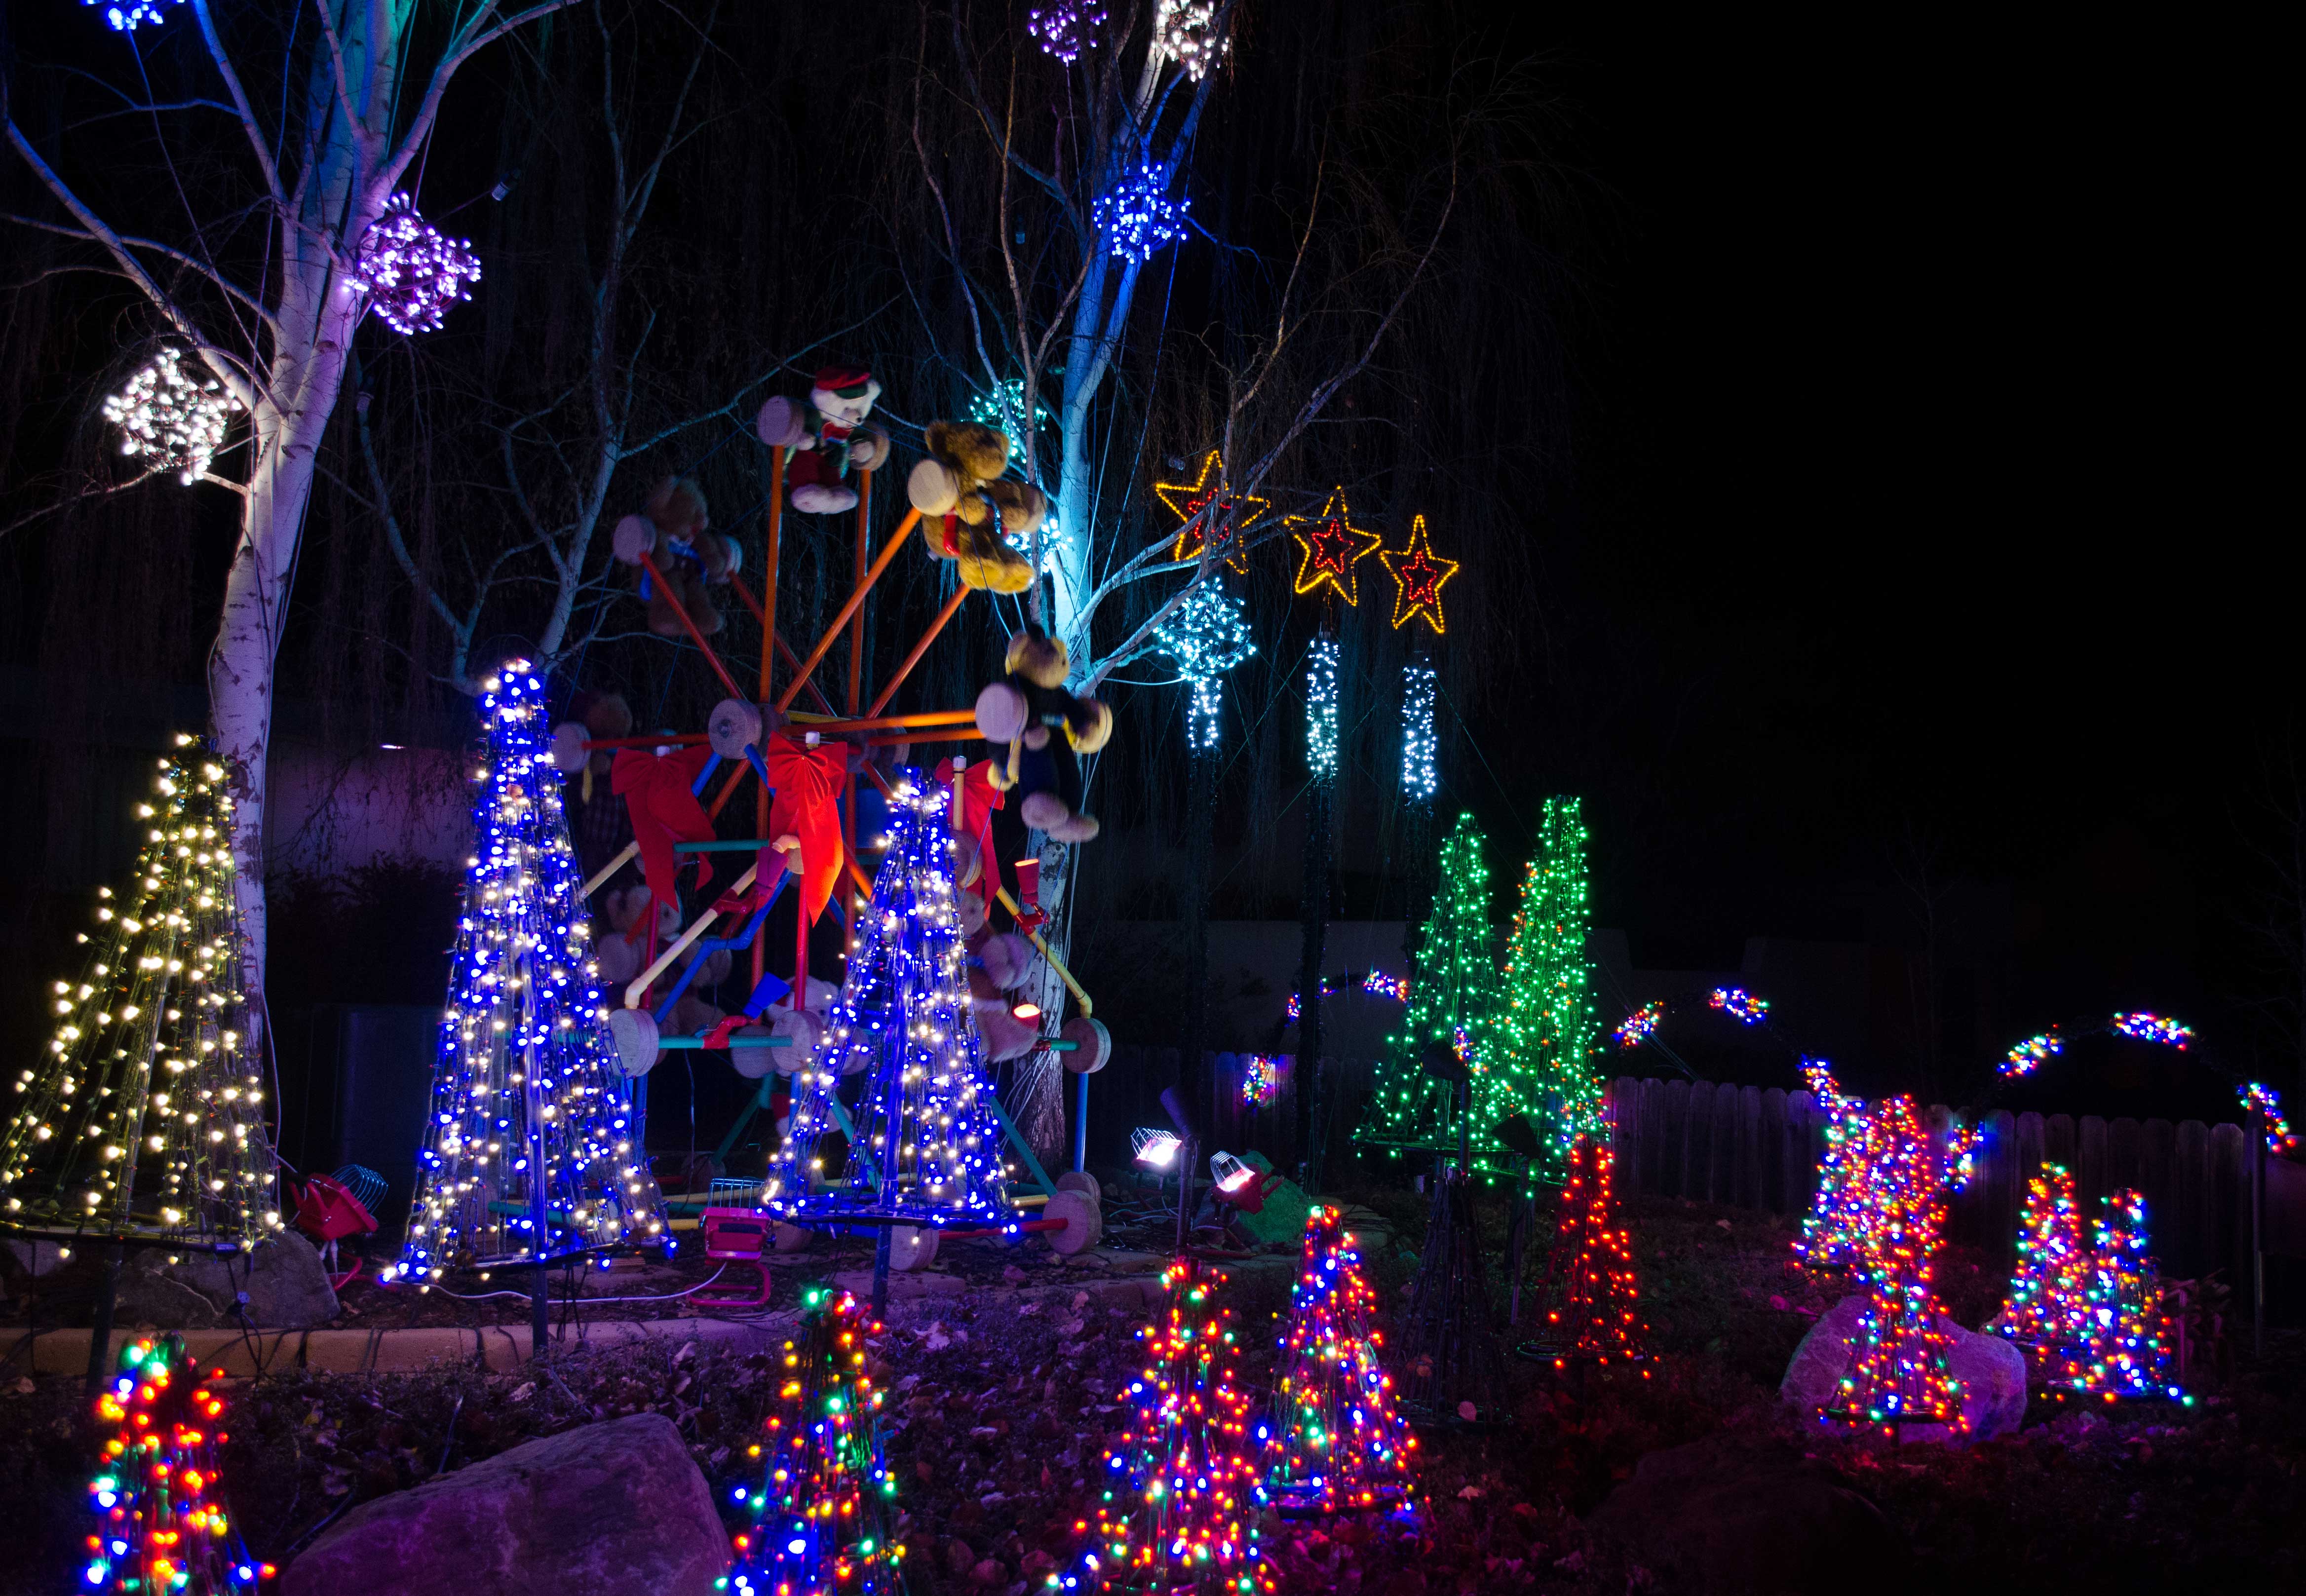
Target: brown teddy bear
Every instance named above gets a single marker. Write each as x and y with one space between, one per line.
1047 728
620 952
961 483
691 558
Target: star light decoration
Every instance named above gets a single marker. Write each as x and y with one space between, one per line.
172 418
1207 635
145 1116
128 18
1136 215
411 272
161 1528
1181 1493
927 1145
1230 514
1331 546
820 1514
529 1154
1186 31
1321 707
1420 747
1067 29
1336 1442
1418 577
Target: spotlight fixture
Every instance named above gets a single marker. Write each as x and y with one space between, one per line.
1229 1172
1156 1149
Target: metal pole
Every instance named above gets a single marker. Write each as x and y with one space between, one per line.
100 1337
2257 1232
1080 1122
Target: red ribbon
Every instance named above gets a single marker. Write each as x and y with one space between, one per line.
808 783
664 811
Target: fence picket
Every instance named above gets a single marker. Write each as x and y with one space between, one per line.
1749 1147
1773 1151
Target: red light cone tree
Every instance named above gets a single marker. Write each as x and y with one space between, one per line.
821 1513
1182 1493
1335 1441
1593 1309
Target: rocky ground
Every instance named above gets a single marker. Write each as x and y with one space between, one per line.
1004 1379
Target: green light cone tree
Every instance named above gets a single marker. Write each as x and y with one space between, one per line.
1540 1057
1452 1002
144 1119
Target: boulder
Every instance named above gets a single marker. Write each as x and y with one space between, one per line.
609 1509
1992 1372
1726 1517
287 1287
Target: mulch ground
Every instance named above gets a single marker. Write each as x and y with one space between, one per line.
1001 1415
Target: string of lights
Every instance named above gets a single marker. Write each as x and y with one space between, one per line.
161 1527
530 1153
820 1516
1336 1442
1182 1493
928 1146
2033 1053
1136 215
1260 1078
2259 1098
2154 1027
1186 31
1639 1026
1739 1004
1375 984
1321 707
2128 1354
172 419
1539 1057
1003 408
1419 746
1207 635
410 272
1593 1311
145 1116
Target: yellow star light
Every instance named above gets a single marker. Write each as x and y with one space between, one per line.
1332 546
1417 578
1232 513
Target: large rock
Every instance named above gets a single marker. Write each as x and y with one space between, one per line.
1992 1372
611 1509
287 1289
1726 1517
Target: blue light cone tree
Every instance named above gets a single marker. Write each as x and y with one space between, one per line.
529 1154
1334 1441
820 1516
928 1146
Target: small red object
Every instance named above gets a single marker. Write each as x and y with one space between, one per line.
1029 884
736 1236
1250 1196
327 1211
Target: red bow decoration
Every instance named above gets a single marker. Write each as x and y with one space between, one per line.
808 783
972 816
664 811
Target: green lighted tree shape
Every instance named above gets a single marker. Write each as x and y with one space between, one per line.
145 1116
1451 1002
1540 1056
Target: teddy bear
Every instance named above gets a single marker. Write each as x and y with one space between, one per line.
826 438
998 964
598 822
960 484
1028 709
691 558
621 954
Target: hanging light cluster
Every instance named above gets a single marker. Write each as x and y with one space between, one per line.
1321 707
927 1147
129 17
1136 215
1003 409
1739 1004
161 1527
411 272
1336 1442
1186 31
171 418
2257 1096
1181 1493
1261 1077
1207 635
1419 779
1639 1026
146 1116
2032 1054
530 1153
820 1515
1067 29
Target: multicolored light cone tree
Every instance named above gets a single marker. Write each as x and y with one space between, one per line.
530 1153
144 1120
1334 1441
821 1514
1182 1492
1591 1298
927 1149
2047 1315
2127 1355
1540 1063
1452 1002
161 1528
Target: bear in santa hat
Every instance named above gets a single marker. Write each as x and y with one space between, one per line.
826 438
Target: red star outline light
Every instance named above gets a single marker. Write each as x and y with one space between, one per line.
1327 546
1417 577
1187 499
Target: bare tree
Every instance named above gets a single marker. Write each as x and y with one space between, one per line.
242 247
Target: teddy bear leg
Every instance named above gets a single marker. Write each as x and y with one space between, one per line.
698 599
662 621
824 499
1076 826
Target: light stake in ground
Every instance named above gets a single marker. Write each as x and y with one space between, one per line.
820 1515
529 1154
1180 1496
1334 1440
